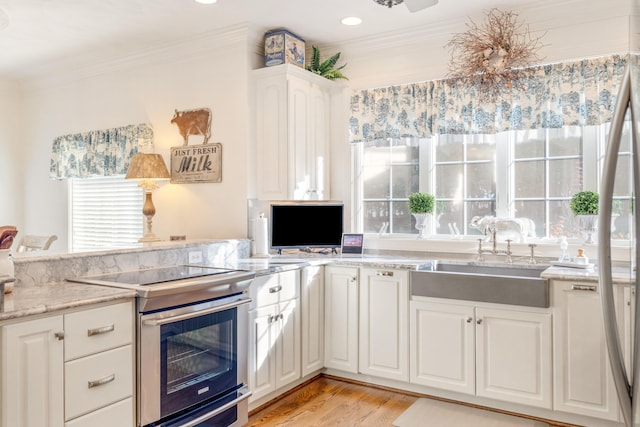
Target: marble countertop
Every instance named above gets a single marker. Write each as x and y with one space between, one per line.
30 300
51 297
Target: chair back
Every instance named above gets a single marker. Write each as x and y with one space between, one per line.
31 242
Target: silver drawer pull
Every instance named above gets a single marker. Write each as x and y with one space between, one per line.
275 289
384 273
590 288
102 330
101 381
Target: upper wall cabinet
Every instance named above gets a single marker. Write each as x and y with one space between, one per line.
294 127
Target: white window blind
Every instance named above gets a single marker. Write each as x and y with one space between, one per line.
105 213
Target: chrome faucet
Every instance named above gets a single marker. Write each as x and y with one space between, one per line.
494 250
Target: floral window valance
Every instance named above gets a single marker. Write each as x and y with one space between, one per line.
552 96
97 153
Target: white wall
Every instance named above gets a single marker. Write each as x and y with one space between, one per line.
206 73
11 153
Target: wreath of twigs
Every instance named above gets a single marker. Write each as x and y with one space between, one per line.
495 54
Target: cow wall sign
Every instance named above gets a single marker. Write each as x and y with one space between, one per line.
195 163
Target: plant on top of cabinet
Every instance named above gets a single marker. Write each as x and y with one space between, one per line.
327 67
421 207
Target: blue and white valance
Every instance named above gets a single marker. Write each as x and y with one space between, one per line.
97 153
551 96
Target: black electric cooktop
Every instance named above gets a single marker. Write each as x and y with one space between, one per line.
153 276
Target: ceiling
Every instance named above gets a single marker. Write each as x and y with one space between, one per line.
34 33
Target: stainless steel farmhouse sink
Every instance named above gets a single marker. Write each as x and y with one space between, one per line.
502 284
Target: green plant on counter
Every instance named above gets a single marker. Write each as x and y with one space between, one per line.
327 68
585 203
421 203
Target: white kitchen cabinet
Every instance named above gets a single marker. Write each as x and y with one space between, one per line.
274 336
442 346
513 356
498 353
293 113
69 369
341 318
384 323
312 308
583 381
33 373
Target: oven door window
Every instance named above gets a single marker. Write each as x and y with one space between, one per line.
199 360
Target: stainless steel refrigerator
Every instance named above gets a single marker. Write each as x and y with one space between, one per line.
627 381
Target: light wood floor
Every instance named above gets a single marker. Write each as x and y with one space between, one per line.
330 402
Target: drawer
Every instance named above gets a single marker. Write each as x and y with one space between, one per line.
119 414
97 381
274 288
98 329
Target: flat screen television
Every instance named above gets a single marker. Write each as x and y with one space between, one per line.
306 225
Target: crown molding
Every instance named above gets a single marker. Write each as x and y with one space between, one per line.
118 59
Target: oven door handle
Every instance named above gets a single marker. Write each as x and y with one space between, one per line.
244 393
165 320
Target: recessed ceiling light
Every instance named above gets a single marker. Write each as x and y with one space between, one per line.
206 1
351 20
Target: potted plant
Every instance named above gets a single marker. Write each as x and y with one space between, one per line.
421 207
326 68
584 206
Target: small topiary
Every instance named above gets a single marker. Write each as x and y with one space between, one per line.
585 203
421 203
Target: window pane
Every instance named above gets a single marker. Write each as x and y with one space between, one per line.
449 184
565 177
529 179
622 184
449 218
480 180
376 182
404 154
375 214
449 148
478 208
405 180
376 153
480 147
561 220
534 210
529 144
565 142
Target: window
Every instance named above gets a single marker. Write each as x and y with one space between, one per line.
531 174
105 212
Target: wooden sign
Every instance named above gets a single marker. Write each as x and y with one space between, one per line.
196 163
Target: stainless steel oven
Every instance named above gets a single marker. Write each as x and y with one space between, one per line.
192 344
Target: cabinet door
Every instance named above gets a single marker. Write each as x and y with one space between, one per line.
442 352
312 308
272 164
583 381
262 378
384 323
287 342
341 318
513 356
33 374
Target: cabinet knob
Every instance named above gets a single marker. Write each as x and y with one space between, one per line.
59 335
468 319
479 321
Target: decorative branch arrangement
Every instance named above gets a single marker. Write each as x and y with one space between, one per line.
494 54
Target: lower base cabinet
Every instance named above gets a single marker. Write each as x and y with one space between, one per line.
341 318
494 353
274 335
72 369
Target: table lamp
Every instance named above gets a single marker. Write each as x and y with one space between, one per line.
148 168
